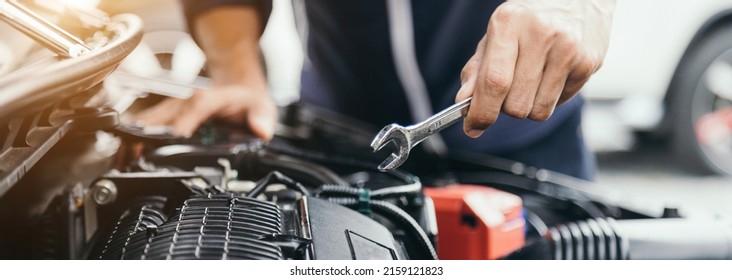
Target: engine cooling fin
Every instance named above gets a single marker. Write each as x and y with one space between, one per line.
204 227
593 239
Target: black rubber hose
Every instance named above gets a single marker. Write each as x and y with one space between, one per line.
301 170
410 189
345 201
376 194
284 148
397 215
277 177
536 222
582 199
341 190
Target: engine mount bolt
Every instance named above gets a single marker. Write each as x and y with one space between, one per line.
104 192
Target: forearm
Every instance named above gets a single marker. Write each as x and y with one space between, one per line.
229 35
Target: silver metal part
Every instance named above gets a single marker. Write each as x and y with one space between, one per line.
305 228
104 192
405 138
41 30
229 174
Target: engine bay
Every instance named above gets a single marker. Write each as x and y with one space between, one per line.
77 183
315 192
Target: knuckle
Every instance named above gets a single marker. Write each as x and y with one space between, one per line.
516 109
507 12
505 15
468 70
542 29
196 97
566 96
567 51
540 115
542 110
544 103
196 101
498 82
570 44
573 87
585 69
559 35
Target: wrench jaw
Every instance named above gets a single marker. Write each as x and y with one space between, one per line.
393 161
407 137
397 135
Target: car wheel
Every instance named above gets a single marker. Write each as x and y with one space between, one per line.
701 104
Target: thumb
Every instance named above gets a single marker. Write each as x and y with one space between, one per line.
262 119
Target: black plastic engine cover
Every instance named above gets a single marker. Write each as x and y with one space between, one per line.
204 227
228 226
343 234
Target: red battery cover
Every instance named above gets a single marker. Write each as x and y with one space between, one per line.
477 222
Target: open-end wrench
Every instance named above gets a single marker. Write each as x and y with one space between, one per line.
405 138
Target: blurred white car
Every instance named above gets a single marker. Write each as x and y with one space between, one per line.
668 71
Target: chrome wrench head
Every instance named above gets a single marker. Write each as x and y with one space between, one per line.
397 135
405 138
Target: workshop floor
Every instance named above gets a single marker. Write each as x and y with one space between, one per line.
652 172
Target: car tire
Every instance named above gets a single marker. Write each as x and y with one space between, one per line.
692 101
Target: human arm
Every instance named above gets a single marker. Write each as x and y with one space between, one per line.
229 36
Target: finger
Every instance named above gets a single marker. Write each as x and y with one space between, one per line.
162 113
188 123
494 78
527 78
262 119
467 89
193 113
469 74
582 69
557 70
571 88
577 79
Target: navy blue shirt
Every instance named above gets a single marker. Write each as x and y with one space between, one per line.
351 69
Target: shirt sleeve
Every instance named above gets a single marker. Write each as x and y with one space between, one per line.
193 8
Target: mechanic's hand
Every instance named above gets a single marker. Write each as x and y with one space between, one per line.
534 56
236 104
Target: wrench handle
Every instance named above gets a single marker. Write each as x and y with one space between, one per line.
439 121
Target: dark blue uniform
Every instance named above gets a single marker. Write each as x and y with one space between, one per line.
351 69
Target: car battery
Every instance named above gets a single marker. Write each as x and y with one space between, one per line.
477 222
